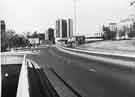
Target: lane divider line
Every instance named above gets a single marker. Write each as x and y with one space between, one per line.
23 85
35 64
92 70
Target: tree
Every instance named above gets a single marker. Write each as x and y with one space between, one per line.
12 39
6 39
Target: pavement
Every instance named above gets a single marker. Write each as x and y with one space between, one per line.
116 59
88 77
119 48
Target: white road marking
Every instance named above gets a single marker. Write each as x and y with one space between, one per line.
35 64
29 64
92 70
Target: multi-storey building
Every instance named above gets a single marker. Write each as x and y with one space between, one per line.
3 41
2 27
64 28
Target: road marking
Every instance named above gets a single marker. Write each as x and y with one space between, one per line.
29 64
92 70
35 64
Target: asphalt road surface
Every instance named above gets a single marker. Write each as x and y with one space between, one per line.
89 78
39 85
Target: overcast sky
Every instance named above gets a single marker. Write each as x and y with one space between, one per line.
31 15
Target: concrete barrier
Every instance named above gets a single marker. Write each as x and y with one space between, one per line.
23 85
85 54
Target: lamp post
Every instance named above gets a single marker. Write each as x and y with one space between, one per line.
75 16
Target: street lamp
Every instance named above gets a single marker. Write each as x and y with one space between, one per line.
75 16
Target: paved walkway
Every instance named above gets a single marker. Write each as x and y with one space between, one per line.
108 51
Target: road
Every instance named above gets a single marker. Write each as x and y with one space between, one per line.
89 78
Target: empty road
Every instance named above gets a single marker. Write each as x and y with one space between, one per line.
89 78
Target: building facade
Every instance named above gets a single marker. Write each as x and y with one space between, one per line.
70 28
64 28
3 42
2 27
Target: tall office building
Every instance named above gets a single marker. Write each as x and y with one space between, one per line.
2 26
58 31
64 28
3 41
2 29
70 28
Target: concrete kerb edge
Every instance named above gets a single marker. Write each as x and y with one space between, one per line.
127 64
101 53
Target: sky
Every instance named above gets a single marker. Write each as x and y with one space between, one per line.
38 15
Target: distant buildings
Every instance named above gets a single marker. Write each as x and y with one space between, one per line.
64 29
70 28
49 35
113 26
36 38
124 29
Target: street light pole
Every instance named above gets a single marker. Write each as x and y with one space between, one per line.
75 16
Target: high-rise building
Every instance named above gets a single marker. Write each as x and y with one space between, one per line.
64 28
2 26
58 31
3 41
70 28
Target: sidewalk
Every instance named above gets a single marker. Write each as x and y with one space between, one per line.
120 48
109 51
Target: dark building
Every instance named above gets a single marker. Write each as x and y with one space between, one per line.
41 36
2 26
2 33
51 34
64 29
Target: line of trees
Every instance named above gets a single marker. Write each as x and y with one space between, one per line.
11 39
